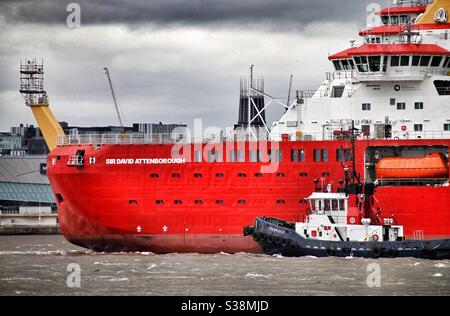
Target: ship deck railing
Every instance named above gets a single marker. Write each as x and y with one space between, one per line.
412 182
140 138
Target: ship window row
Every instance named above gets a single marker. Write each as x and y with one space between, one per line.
418 127
328 205
240 174
239 156
400 106
220 202
374 63
395 19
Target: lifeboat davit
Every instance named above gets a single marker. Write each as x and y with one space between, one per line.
432 166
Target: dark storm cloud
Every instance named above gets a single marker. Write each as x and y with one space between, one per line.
278 13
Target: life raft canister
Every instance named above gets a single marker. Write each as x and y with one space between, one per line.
375 237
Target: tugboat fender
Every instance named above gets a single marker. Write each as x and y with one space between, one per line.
346 251
376 252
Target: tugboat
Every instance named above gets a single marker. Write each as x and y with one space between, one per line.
332 227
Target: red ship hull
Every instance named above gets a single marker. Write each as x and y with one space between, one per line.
204 208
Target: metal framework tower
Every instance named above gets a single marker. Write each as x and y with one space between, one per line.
32 82
32 90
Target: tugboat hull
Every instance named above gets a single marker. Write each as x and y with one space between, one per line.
279 237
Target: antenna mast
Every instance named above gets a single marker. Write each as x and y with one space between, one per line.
114 96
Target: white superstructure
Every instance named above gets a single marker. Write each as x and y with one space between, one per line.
394 85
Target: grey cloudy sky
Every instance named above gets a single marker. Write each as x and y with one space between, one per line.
170 60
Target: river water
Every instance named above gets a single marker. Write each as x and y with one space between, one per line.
49 265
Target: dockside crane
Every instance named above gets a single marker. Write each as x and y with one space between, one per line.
114 96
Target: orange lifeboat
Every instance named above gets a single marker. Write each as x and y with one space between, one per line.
432 166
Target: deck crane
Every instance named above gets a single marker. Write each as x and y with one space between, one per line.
114 96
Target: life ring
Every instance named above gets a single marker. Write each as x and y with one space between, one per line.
375 237
397 87
376 252
352 220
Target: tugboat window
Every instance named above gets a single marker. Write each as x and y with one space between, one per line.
416 60
404 61
334 205
425 61
436 61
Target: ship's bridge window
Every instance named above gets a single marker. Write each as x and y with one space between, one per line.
403 19
352 64
418 127
361 63
345 64
337 65
404 61
395 61
394 19
425 61
342 204
415 60
334 205
374 63
327 205
446 127
446 62
436 61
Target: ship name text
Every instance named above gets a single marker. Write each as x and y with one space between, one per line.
145 161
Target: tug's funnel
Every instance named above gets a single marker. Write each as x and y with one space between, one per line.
32 89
